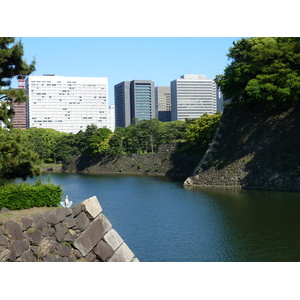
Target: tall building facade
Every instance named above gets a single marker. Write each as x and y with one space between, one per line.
19 119
111 118
192 96
67 104
122 104
163 100
134 100
142 96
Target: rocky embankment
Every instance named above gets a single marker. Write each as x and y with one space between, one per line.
167 161
254 149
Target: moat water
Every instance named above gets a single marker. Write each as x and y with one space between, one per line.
162 221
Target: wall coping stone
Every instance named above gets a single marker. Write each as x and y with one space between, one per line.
92 207
113 239
123 254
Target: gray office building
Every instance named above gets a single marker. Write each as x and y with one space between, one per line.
163 100
134 100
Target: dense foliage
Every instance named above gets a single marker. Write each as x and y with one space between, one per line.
16 158
11 64
146 136
201 132
263 70
143 137
24 196
43 141
21 150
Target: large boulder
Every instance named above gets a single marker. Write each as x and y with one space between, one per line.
13 230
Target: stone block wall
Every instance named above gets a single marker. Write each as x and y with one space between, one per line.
79 233
253 149
167 161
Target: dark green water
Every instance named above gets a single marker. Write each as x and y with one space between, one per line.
160 220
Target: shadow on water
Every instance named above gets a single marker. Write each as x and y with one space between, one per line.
258 225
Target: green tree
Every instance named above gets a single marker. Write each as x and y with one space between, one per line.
146 136
149 134
16 159
263 70
43 141
82 138
116 141
133 141
172 131
104 146
201 132
11 64
95 142
66 147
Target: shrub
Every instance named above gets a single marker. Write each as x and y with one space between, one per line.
24 195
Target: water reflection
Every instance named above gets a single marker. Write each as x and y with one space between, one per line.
258 225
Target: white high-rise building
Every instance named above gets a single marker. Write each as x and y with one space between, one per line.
192 96
67 104
111 118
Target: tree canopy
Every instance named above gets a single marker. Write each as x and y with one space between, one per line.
263 70
201 131
16 159
11 64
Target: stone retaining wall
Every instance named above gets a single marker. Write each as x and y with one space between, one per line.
253 149
79 233
167 161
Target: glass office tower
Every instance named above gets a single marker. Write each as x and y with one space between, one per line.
134 100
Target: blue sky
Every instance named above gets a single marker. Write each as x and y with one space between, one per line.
160 59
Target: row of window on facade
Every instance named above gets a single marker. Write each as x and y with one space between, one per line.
138 98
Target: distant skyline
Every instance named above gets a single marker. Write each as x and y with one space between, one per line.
160 59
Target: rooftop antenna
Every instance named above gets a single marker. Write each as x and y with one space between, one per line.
191 71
